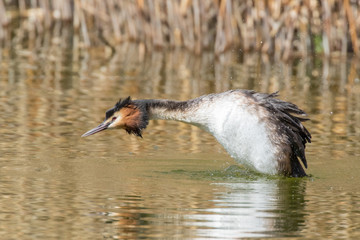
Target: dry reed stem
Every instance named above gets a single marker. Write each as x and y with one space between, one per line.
281 28
352 30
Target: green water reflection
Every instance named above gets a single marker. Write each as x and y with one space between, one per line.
177 182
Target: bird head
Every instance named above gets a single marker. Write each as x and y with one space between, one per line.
127 115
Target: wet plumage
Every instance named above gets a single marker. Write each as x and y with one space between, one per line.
258 130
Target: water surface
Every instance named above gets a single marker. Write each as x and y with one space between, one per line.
176 182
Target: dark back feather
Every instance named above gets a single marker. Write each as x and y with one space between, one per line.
285 115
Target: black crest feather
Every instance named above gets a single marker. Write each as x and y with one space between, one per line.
119 105
123 103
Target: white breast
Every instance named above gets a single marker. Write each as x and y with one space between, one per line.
237 125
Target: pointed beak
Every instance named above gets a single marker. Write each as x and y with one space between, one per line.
101 127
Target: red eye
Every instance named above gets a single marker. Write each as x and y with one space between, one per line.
113 119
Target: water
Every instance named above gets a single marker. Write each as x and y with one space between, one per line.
176 182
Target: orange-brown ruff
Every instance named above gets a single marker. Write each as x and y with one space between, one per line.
258 130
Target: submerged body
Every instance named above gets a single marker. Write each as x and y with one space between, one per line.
256 129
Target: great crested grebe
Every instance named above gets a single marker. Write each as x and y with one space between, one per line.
257 129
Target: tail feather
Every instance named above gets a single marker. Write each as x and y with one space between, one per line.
296 169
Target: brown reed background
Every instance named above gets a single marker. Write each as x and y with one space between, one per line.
284 28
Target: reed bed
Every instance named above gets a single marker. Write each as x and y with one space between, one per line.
284 29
